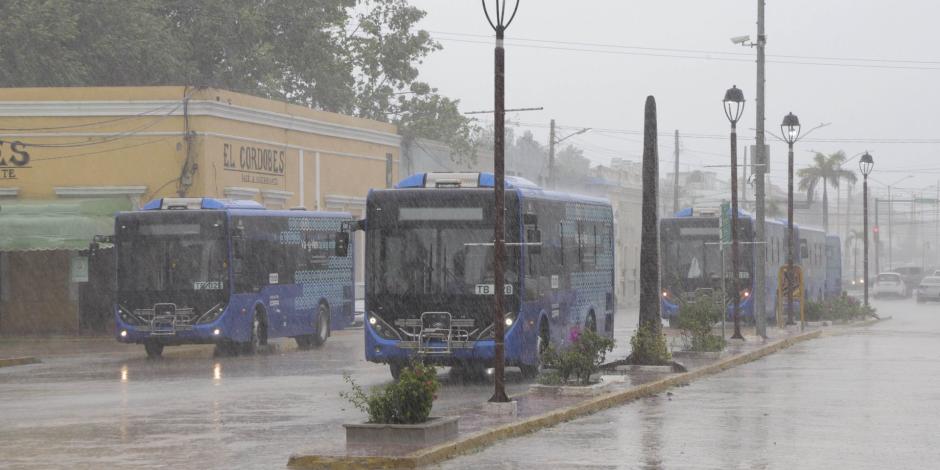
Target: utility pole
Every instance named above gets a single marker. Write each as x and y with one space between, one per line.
890 230
759 297
675 178
551 155
552 140
877 241
744 176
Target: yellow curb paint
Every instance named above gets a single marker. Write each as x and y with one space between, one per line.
18 361
488 437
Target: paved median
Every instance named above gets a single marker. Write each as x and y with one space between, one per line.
538 412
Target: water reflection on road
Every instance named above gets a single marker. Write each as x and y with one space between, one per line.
867 399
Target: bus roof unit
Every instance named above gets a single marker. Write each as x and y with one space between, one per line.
196 203
460 180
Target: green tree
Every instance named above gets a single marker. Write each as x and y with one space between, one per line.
356 57
826 169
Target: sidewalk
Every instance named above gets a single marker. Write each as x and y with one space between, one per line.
58 346
478 428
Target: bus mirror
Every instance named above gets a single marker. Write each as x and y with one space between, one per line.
804 250
534 241
342 244
530 219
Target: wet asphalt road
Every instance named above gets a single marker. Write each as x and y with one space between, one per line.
111 407
869 399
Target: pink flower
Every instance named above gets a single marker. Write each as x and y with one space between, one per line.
574 334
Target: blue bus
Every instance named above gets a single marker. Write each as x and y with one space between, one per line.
429 276
692 261
203 270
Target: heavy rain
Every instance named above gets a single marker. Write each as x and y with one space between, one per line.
469 234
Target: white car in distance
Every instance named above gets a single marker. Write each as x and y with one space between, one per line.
929 289
889 284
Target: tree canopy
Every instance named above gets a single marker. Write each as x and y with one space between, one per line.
828 170
357 57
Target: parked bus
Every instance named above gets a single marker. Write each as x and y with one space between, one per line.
692 261
202 270
430 280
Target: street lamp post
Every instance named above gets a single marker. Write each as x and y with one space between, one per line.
790 129
865 165
734 107
499 247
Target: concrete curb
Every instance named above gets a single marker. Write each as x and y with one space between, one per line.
488 437
847 328
18 361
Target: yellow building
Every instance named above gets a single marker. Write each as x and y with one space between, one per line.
70 157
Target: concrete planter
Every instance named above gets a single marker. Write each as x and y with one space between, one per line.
433 431
603 386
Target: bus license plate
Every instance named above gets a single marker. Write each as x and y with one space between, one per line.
490 289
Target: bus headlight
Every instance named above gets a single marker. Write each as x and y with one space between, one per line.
509 322
128 317
212 314
381 328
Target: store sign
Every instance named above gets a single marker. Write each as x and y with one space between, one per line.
257 164
78 269
13 157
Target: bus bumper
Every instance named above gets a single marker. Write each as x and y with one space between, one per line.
208 333
382 350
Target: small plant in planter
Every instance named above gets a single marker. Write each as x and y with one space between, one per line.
696 320
583 358
407 401
649 347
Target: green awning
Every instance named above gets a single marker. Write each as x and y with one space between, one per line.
63 224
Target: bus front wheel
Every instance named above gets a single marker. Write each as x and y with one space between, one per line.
395 368
323 325
154 349
259 334
530 371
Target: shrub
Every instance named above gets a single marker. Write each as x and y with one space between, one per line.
696 320
842 308
649 347
407 401
583 358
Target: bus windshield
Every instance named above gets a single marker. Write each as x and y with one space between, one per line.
691 263
436 260
157 254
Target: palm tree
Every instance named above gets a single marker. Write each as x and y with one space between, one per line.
828 170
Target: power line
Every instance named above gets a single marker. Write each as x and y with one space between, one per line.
111 138
706 54
100 152
709 57
87 124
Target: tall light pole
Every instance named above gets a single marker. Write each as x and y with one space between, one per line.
499 335
734 107
865 164
890 222
552 141
790 129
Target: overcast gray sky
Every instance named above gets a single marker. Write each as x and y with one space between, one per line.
894 97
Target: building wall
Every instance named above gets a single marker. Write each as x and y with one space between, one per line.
134 142
38 296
